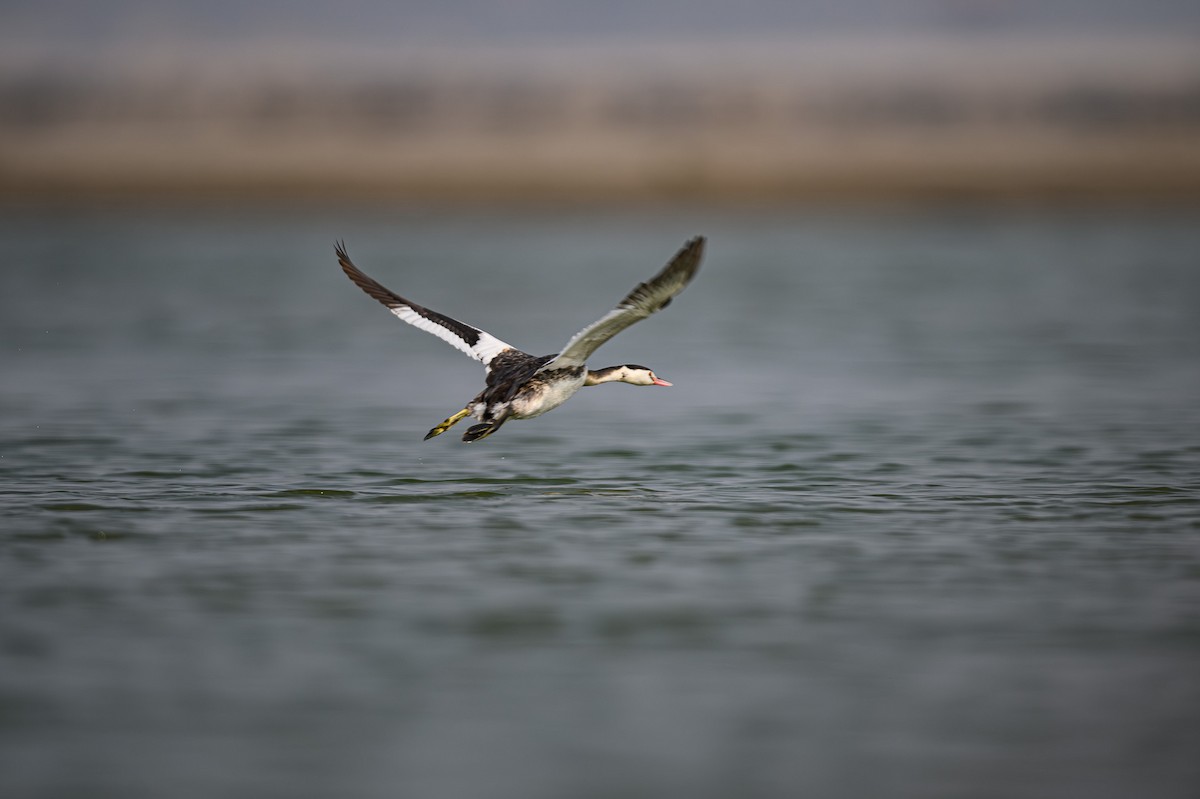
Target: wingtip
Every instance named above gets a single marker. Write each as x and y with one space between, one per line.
689 256
693 249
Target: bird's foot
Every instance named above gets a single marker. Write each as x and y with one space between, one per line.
448 423
478 432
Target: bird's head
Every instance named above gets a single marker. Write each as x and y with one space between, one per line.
626 373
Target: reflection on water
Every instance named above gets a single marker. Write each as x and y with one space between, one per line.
919 516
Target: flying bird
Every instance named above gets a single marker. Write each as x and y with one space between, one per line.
520 385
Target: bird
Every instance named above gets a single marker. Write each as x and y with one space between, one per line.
523 386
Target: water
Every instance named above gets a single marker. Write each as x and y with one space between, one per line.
920 517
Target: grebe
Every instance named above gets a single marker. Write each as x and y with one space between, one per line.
520 385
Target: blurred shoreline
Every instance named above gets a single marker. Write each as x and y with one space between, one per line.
1071 121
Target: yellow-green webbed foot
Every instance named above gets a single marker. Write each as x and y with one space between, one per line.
448 423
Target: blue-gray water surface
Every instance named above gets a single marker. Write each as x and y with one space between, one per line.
920 516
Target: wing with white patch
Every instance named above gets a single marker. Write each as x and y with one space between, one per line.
653 295
471 340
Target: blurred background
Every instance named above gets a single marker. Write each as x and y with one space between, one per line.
919 517
540 101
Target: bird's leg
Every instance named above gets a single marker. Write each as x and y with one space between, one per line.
448 423
478 432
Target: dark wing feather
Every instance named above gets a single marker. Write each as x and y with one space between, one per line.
478 344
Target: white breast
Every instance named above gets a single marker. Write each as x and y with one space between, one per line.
549 397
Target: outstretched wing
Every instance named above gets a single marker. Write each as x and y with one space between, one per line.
471 340
653 295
